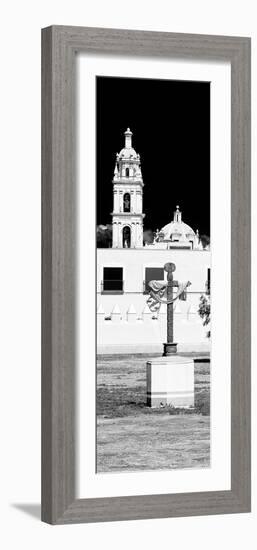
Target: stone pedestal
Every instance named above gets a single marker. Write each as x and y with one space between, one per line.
170 381
169 349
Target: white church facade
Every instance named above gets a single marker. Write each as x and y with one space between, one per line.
124 321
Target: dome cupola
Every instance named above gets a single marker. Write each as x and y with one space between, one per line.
127 160
177 233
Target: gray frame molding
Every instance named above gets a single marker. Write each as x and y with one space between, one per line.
59 47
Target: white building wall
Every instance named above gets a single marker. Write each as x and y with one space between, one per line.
190 265
144 335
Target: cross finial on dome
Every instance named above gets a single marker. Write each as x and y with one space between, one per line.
177 207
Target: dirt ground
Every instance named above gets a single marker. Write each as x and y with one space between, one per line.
132 436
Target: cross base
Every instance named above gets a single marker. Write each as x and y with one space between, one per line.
169 348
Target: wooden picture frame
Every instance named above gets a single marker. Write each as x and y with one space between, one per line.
59 47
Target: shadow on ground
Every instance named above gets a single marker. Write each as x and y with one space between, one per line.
31 509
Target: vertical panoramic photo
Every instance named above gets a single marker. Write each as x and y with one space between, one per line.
153 287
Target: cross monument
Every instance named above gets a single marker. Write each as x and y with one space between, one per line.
170 347
169 380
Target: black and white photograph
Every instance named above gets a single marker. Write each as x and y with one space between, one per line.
127 388
153 260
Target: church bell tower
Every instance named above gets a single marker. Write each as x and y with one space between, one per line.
127 216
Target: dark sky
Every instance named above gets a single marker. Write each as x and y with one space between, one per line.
170 121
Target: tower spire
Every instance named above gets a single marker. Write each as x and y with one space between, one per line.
127 215
128 138
177 215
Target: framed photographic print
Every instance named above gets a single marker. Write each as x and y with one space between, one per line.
145 275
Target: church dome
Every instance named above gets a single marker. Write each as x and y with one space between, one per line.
128 153
177 230
128 166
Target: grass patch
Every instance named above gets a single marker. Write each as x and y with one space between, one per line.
121 388
132 436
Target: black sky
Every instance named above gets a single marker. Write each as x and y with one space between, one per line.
170 121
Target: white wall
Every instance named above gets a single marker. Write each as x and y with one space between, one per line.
146 335
191 265
20 271
188 328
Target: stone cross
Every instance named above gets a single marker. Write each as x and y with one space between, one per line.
170 347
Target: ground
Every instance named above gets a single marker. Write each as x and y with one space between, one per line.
132 436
